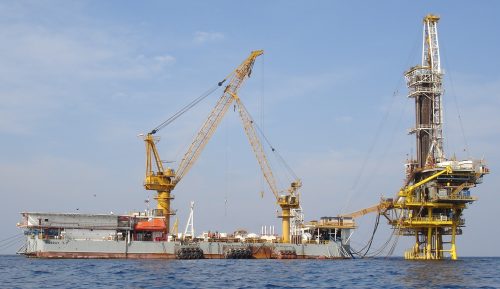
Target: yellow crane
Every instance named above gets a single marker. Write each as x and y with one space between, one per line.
385 204
287 200
378 208
406 192
164 180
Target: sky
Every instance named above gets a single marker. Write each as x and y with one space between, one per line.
80 80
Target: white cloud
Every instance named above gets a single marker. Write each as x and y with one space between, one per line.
59 65
82 52
165 59
203 36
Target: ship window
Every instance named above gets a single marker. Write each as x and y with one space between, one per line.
46 220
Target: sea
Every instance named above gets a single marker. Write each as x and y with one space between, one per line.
20 272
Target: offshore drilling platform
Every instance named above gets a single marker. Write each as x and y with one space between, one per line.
430 205
437 188
428 208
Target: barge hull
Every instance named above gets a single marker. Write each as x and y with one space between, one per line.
85 249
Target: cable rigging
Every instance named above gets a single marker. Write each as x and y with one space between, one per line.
187 107
356 187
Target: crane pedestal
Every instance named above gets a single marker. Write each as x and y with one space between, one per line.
164 198
287 203
285 225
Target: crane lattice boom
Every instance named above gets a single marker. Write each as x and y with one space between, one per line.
238 77
254 140
290 200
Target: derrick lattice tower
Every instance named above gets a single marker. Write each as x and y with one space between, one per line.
425 86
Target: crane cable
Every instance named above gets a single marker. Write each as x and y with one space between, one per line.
9 242
355 187
457 105
11 237
187 107
271 147
275 152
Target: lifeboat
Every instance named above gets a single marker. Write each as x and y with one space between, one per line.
151 225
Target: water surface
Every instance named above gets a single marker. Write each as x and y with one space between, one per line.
21 272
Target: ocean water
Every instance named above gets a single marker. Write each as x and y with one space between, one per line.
21 272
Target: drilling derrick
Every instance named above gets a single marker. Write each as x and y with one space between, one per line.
425 86
430 205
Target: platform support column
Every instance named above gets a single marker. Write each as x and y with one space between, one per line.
453 251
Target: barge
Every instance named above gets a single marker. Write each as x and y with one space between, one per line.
142 236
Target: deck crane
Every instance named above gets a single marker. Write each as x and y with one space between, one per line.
386 204
377 208
287 200
163 180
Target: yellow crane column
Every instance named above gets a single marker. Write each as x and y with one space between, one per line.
285 224
287 203
164 198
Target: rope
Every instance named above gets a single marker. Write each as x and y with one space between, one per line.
12 237
273 149
457 107
12 242
276 153
355 188
187 107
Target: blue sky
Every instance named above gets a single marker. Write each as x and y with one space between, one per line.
80 80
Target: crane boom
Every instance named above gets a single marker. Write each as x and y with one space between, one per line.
407 190
254 140
237 78
362 212
286 202
387 203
